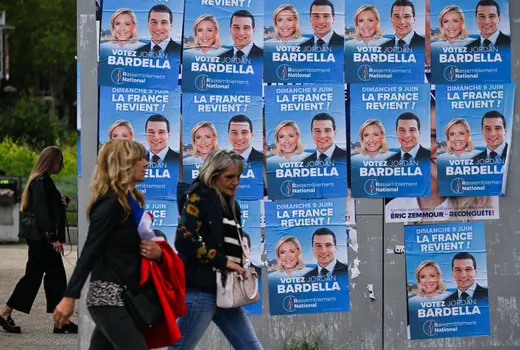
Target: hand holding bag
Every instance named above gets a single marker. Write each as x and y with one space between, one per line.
235 290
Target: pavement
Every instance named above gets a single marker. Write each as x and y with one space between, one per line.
36 327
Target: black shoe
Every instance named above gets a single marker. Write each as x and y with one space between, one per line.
8 325
66 328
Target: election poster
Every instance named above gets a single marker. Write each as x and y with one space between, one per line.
140 44
390 140
307 257
232 122
252 245
165 218
223 47
470 42
151 117
304 41
306 141
385 41
474 139
446 280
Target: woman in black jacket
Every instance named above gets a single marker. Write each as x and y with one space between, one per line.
207 239
44 206
113 248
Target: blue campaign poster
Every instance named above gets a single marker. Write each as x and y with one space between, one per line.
446 279
470 43
252 245
474 131
232 122
151 117
165 218
304 42
223 47
306 141
384 43
390 140
140 44
307 256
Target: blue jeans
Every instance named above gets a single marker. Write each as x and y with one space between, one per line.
202 309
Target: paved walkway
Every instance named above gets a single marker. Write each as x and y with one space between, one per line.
36 327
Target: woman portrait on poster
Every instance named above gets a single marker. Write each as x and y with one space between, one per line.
123 24
367 26
452 27
206 36
459 144
289 258
204 139
289 145
430 287
121 130
286 24
372 136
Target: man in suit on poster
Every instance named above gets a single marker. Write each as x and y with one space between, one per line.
242 29
464 269
408 130
323 129
322 18
160 22
403 21
324 247
494 132
487 15
157 128
240 132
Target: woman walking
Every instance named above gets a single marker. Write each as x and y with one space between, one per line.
206 239
113 249
44 231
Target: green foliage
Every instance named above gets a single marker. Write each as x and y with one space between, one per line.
312 342
31 121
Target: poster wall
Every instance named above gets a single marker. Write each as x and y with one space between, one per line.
470 43
390 140
475 131
307 257
223 47
384 42
232 122
140 44
306 141
446 278
252 244
165 217
304 42
151 117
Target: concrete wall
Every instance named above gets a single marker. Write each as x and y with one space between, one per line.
379 324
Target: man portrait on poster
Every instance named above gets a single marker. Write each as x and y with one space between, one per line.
322 17
324 247
242 29
487 13
157 128
464 269
494 130
408 130
240 132
323 130
403 21
160 22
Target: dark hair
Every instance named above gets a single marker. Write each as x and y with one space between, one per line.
324 232
492 115
245 235
163 9
324 116
242 13
488 3
463 256
402 3
240 118
157 118
408 116
322 3
159 233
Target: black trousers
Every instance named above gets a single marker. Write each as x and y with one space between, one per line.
43 260
115 330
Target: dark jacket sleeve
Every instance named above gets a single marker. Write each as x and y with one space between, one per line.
104 216
40 198
188 239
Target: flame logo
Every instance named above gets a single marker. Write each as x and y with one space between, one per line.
365 73
459 186
202 82
119 75
288 188
372 187
284 72
456 185
452 73
288 303
430 329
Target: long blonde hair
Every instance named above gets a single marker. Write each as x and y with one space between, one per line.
437 268
287 7
124 11
46 160
115 171
289 239
458 121
200 125
119 123
210 18
378 124
288 123
379 32
216 163
456 9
